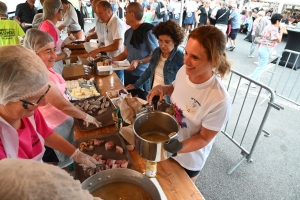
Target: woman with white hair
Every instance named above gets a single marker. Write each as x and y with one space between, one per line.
24 83
28 179
54 12
58 112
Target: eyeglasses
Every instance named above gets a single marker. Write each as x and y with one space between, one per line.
166 42
62 10
26 103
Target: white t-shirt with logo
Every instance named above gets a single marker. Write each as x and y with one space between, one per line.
207 104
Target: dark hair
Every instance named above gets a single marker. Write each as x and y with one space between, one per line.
276 17
171 29
214 43
148 7
137 9
105 5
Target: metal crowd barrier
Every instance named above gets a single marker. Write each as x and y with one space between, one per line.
248 119
285 82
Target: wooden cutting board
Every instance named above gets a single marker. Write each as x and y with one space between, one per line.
72 72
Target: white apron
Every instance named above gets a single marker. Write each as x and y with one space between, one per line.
10 139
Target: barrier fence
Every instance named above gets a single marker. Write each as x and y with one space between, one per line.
248 118
285 82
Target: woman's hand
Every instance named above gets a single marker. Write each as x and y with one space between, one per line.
130 87
156 91
133 65
83 159
89 119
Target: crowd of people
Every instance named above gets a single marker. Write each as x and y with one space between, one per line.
36 118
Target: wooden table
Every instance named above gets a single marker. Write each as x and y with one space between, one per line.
174 181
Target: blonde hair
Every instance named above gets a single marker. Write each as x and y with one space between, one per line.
214 43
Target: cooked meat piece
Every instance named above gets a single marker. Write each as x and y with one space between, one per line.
116 166
100 98
101 161
110 162
91 107
95 102
102 111
106 104
98 142
104 99
89 148
124 164
119 150
109 145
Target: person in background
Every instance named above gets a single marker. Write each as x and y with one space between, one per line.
222 18
25 179
270 37
71 20
201 102
177 11
58 112
110 33
191 14
203 14
155 19
24 83
215 6
37 20
243 17
235 26
139 45
24 14
166 59
10 30
171 9
148 14
248 22
285 19
53 12
254 34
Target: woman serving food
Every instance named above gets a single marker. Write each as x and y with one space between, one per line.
201 103
24 83
58 112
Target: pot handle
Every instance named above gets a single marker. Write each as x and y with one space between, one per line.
173 145
155 100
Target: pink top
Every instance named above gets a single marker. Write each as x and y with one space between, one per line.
48 27
270 34
53 116
29 143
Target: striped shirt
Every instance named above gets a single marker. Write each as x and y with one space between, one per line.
25 13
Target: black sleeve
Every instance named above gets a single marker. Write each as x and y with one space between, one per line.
18 11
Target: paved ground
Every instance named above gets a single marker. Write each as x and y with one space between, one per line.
274 173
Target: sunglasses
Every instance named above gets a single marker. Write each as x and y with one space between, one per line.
26 103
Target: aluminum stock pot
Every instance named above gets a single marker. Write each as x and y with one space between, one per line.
154 123
121 175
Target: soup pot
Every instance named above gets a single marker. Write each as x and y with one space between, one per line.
121 175
154 123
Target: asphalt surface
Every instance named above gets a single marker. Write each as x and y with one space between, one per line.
274 173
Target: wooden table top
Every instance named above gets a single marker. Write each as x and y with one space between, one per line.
172 178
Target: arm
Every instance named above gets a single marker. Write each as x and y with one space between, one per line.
112 47
160 90
134 64
282 29
56 99
121 56
92 36
198 141
61 56
61 27
55 141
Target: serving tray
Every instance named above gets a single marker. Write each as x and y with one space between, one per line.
100 150
105 118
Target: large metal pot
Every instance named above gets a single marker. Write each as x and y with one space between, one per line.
121 175
154 122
